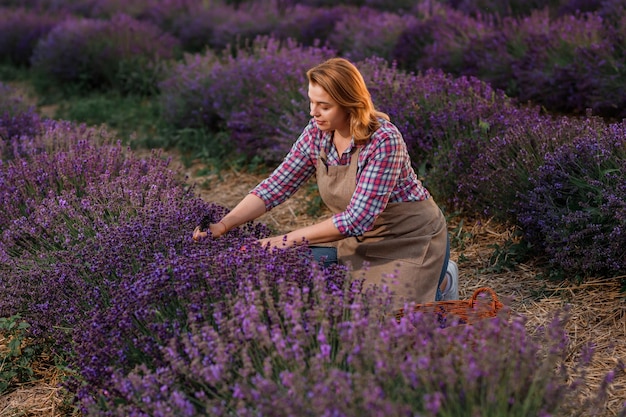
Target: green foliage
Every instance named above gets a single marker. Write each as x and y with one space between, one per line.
10 72
513 252
129 115
16 356
195 144
459 237
139 76
556 274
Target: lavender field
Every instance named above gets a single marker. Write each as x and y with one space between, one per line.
513 113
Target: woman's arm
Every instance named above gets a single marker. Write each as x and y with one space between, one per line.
322 232
248 209
252 207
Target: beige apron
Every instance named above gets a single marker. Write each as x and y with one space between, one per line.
406 248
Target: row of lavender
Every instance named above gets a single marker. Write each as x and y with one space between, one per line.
96 255
556 57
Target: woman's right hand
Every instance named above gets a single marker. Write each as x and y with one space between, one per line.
215 230
248 209
198 234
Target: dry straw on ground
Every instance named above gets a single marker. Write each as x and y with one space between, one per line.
598 308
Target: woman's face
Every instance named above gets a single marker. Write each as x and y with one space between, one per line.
328 114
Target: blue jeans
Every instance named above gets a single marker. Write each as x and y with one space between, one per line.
444 269
327 256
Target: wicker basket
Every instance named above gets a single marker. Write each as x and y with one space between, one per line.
462 311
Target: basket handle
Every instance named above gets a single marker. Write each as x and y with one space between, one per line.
492 293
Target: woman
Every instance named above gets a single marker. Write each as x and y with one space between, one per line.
385 225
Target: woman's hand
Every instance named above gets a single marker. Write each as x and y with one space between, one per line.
248 209
198 234
322 232
279 242
215 230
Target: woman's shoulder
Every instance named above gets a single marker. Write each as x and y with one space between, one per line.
386 130
387 124
386 139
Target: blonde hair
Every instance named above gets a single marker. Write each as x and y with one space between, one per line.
345 85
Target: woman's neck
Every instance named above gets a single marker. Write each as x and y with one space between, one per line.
343 135
341 142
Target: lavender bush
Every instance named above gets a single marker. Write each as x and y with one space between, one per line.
221 332
88 247
445 121
78 212
571 7
173 292
20 30
106 9
182 100
195 23
235 28
569 65
439 39
613 12
25 184
120 53
73 7
575 208
383 5
192 23
330 3
607 72
258 96
353 37
398 6
502 166
17 119
312 25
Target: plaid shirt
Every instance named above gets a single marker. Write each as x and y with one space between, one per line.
384 175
